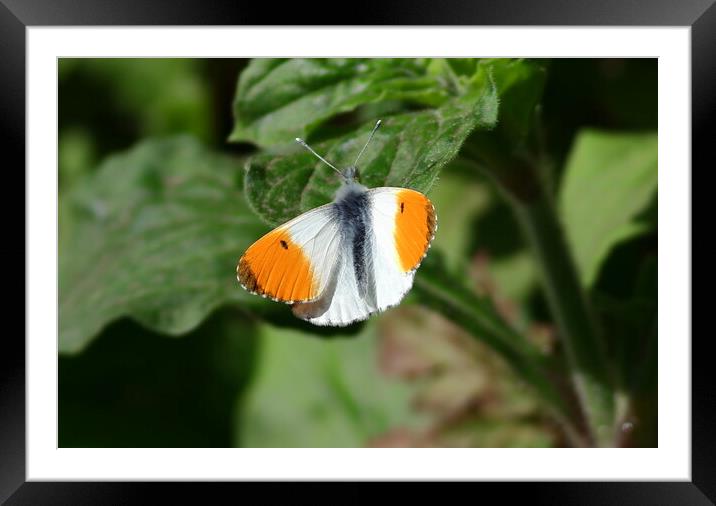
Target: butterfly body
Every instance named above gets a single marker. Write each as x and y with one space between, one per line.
341 262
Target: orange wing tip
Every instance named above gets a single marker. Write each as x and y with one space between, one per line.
248 282
275 267
421 218
430 241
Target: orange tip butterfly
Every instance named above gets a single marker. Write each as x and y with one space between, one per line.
344 261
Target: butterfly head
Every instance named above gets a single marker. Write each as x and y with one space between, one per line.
350 174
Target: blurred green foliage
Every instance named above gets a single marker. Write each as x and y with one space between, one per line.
155 210
338 396
154 232
609 183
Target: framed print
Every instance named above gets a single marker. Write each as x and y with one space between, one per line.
345 253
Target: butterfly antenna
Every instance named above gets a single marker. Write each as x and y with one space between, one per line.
366 144
303 143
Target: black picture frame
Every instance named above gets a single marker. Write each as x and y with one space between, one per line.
17 15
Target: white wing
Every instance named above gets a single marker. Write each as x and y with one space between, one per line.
403 224
296 261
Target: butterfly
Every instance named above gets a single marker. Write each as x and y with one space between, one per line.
344 261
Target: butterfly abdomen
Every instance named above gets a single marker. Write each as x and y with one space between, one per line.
352 208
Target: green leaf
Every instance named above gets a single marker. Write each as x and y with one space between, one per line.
610 180
317 393
407 151
156 235
280 99
519 84
502 151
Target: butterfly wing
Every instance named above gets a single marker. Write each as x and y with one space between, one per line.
341 303
402 224
295 262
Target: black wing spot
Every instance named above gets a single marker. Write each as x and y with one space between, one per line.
402 207
284 245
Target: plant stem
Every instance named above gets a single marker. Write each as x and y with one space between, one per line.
519 179
569 306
